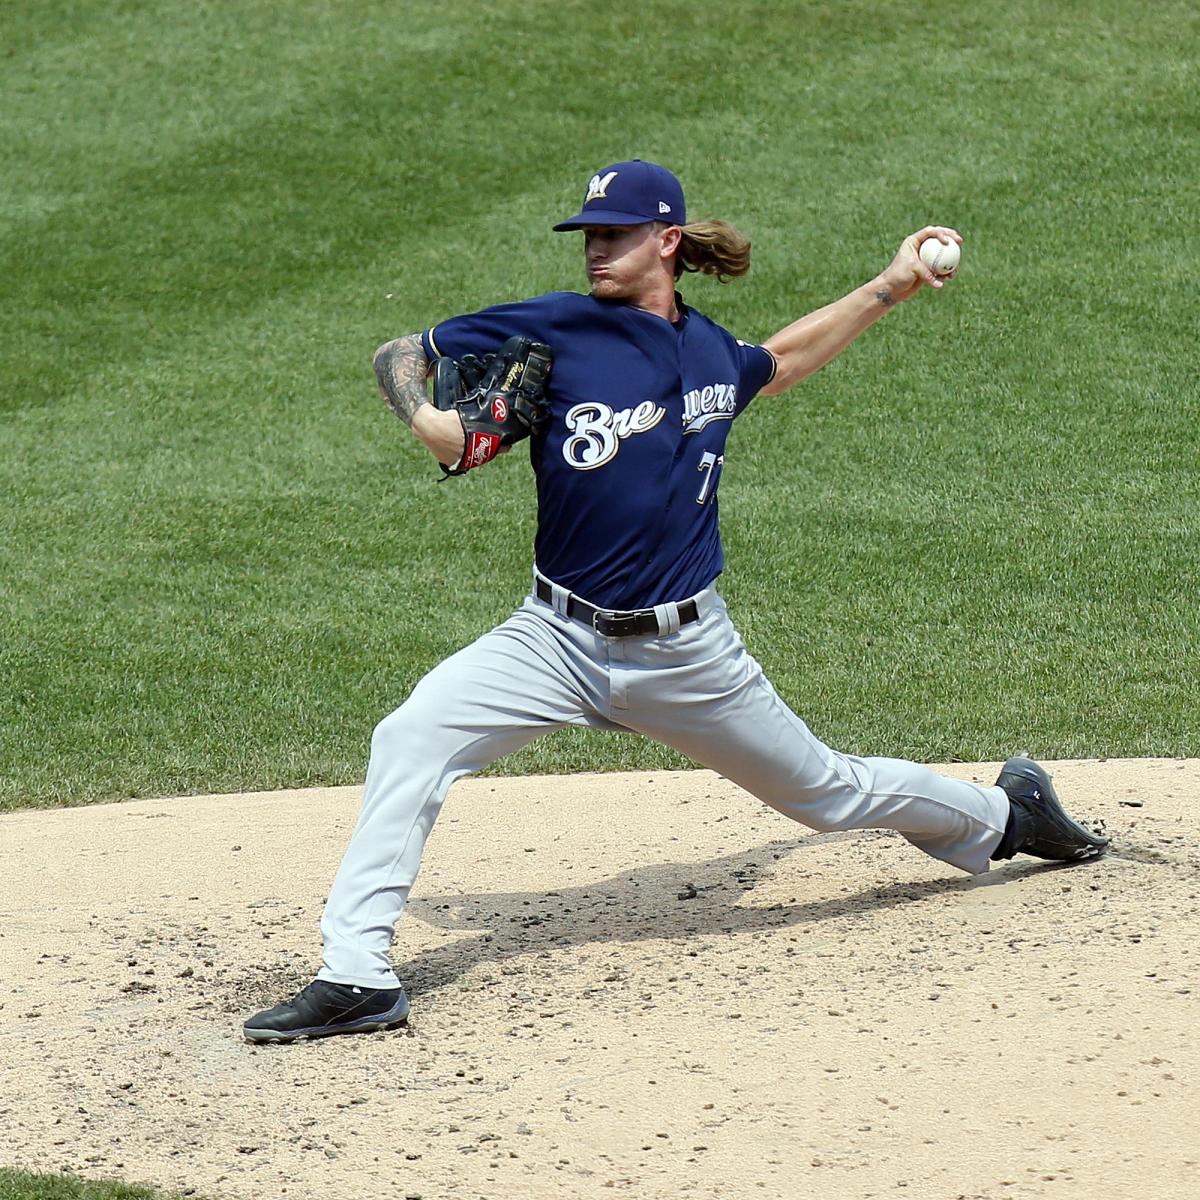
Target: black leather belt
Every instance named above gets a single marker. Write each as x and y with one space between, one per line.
638 623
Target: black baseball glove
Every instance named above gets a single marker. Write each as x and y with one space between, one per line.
500 398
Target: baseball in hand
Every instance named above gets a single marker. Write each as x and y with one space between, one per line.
940 257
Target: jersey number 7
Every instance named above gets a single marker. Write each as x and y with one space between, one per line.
710 464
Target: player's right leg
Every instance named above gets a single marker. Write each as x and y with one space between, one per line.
513 684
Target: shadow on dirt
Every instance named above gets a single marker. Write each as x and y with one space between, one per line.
684 900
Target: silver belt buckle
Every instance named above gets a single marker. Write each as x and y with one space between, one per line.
620 624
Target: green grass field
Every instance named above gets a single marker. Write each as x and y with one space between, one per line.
221 560
25 1185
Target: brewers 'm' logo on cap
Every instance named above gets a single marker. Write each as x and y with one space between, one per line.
598 187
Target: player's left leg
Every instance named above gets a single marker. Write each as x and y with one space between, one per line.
701 692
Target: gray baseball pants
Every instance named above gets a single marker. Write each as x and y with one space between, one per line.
694 688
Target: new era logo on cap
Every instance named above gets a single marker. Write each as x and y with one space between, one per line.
629 193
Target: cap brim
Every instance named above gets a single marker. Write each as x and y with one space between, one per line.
596 216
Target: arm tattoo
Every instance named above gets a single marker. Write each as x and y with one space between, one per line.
885 298
401 368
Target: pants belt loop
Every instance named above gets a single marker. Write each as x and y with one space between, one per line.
559 596
668 618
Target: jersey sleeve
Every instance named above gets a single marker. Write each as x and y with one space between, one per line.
481 332
756 368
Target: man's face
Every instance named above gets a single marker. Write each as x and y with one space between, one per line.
621 260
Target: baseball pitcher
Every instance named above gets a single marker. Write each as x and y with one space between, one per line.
627 396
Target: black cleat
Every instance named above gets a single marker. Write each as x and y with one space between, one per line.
325 1008
1037 824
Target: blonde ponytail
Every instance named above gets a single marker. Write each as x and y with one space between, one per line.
713 248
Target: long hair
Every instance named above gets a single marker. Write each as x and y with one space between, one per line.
713 248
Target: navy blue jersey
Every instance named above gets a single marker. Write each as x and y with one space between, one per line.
627 466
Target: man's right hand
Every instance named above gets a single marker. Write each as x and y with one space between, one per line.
907 274
441 432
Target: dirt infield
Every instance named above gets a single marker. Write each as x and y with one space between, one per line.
643 985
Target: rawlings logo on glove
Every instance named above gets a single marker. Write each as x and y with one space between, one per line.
500 398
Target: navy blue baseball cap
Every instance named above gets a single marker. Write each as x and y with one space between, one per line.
630 193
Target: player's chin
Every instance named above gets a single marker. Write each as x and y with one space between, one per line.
604 288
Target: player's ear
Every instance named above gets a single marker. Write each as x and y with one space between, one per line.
668 240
